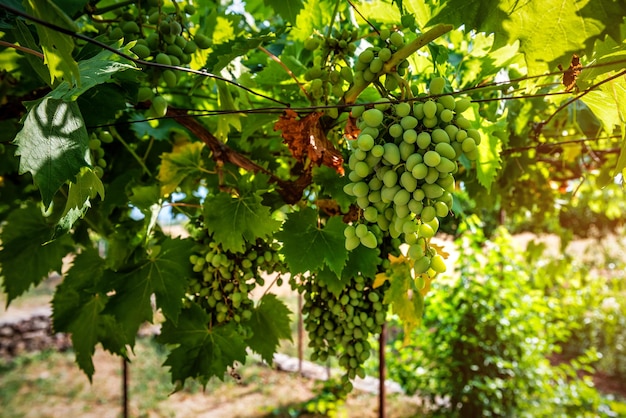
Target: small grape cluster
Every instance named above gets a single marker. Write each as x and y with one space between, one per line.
340 324
331 72
162 37
225 279
370 63
97 153
401 171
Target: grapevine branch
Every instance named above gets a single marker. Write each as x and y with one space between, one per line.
400 55
291 191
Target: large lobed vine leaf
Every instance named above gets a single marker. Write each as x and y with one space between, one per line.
233 220
77 309
314 16
309 246
549 31
202 352
164 273
270 323
52 144
28 255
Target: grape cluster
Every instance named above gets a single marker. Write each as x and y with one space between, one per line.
225 279
97 153
331 72
370 63
340 324
401 171
160 36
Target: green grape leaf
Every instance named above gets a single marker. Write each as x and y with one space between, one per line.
164 273
101 104
77 308
315 15
202 352
52 144
287 9
565 29
270 322
28 256
405 300
224 53
234 220
57 47
93 71
184 161
333 282
489 161
226 102
332 184
309 247
87 186
26 39
362 260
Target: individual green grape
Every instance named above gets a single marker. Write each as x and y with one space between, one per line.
202 41
447 101
408 122
437 85
189 9
430 109
392 153
462 105
372 117
163 58
369 240
352 243
130 27
105 136
432 158
402 109
396 130
142 51
439 135
397 39
438 264
390 178
159 106
445 150
170 78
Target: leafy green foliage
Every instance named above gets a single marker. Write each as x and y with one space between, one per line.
52 144
28 255
310 247
270 322
201 351
119 150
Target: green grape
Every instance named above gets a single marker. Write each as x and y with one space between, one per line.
94 144
384 54
468 145
164 28
420 171
432 158
170 78
366 56
428 213
202 41
372 117
438 264
422 265
462 105
430 109
402 197
116 34
189 9
397 39
412 161
352 243
392 153
163 58
365 142
446 166
426 231
439 135
360 189
462 123
437 85
142 51
105 136
376 65
159 105
190 47
396 130
130 27
402 109
361 169
390 178
447 101
369 240
406 149
441 209
445 150
475 135
432 191
408 122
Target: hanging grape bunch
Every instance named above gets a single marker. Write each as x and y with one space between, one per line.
401 171
340 325
161 35
225 279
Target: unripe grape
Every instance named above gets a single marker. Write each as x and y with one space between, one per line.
164 28
390 178
159 105
432 191
447 101
426 231
369 240
446 166
430 122
384 54
174 50
376 65
396 130
432 176
475 135
406 149
116 34
360 189
445 150
437 85
164 59
130 27
432 158
402 109
418 110
438 264
371 214
373 117
421 265
396 39
142 51
189 9
352 242
439 135
202 41
462 105
105 136
441 209
402 197
468 145
366 56
175 28
362 169
392 153
190 47
170 78
412 161
408 122
409 136
420 171
463 123
378 150
430 109
365 142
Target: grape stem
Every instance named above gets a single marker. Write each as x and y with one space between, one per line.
399 56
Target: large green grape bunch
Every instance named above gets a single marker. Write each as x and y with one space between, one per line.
340 324
162 35
225 279
401 171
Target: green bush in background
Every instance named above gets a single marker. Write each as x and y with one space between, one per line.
488 334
